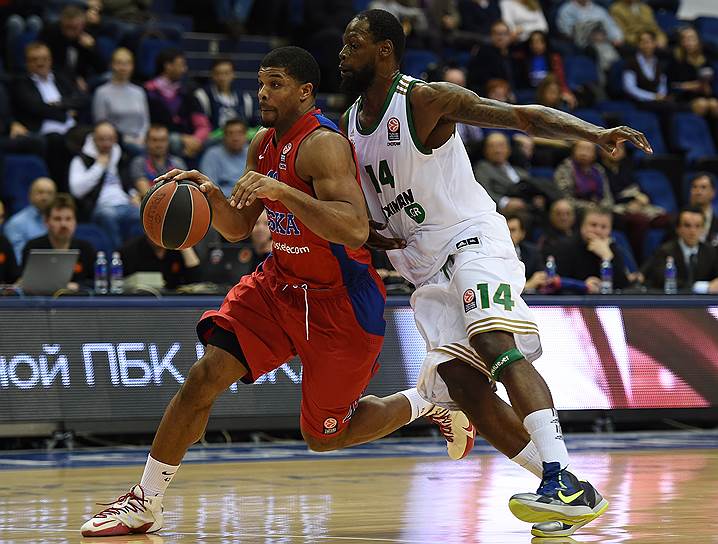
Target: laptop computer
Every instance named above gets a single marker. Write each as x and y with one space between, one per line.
48 270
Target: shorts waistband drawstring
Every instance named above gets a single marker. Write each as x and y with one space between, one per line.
303 287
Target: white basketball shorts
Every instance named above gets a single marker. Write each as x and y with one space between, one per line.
478 290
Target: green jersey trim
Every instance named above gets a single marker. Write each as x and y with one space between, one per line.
384 107
410 117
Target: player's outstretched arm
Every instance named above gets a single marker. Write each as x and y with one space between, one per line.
446 102
338 213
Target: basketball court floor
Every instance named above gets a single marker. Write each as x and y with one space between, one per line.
663 488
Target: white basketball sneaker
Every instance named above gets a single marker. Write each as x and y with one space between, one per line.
457 430
130 513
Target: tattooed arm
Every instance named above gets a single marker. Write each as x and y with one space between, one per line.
448 103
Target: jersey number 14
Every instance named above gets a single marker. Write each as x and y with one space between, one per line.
385 176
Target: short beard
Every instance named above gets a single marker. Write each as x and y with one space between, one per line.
359 81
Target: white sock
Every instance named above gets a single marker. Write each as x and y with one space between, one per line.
545 432
157 477
530 459
419 406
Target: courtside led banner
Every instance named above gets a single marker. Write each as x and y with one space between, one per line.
71 365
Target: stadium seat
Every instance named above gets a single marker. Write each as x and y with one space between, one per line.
525 96
616 106
163 7
417 61
692 136
656 185
614 79
580 71
654 239
17 50
90 232
647 123
707 27
542 172
590 116
147 52
668 21
106 45
626 252
19 171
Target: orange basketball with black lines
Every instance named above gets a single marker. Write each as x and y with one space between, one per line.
176 214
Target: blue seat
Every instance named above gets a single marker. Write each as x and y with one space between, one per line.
100 240
654 239
658 188
692 136
625 248
614 79
616 106
147 52
106 45
19 171
417 61
580 71
17 49
668 21
525 96
589 115
542 172
707 27
647 123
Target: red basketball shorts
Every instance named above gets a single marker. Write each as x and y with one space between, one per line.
338 334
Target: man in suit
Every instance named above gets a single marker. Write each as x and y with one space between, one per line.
46 103
580 257
528 253
511 187
696 262
703 192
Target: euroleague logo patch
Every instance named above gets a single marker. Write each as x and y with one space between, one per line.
469 300
393 131
283 157
330 425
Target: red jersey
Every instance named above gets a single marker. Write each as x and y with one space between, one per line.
299 256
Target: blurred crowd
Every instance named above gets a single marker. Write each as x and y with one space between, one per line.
97 99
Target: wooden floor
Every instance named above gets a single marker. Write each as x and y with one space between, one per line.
661 496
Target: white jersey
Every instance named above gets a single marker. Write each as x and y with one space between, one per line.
430 198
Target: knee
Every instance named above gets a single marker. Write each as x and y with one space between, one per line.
453 376
489 345
203 384
321 444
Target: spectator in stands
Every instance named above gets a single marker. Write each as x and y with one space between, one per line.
644 77
477 16
696 262
691 76
523 17
444 19
561 225
472 136
47 103
15 26
492 61
14 136
579 258
99 180
29 222
220 99
512 188
412 18
635 17
178 267
538 62
173 104
500 89
590 25
224 163
73 49
121 102
155 161
549 93
581 179
9 271
703 192
636 214
527 253
61 221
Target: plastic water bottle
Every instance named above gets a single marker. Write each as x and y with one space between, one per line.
116 274
101 274
670 287
550 268
606 287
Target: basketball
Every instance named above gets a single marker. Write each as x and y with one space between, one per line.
176 214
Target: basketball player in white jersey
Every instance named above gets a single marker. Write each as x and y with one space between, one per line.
449 240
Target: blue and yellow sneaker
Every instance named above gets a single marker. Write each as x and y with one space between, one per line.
561 497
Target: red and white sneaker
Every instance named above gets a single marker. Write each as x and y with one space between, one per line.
130 513
457 430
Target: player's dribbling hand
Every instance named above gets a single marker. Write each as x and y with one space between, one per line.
382 243
212 192
252 186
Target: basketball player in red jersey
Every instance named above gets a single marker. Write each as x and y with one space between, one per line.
316 296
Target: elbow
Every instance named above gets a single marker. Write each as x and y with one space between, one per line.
358 236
